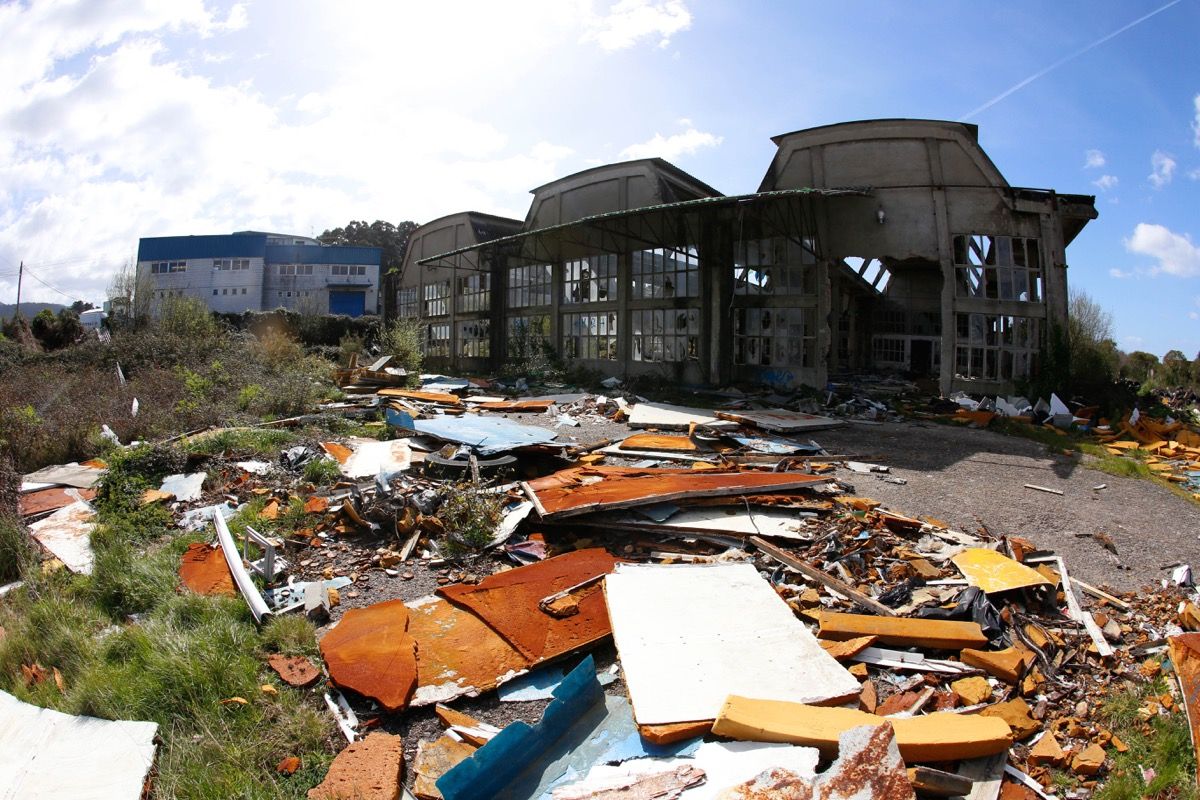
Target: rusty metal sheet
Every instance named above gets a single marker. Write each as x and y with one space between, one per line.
582 490
434 759
517 406
868 765
658 441
43 501
370 652
1185 656
457 654
203 569
508 603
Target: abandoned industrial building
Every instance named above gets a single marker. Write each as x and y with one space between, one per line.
256 271
881 245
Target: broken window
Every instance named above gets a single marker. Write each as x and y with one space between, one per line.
437 299
529 285
998 268
590 280
474 292
774 336
437 340
775 266
890 351
406 302
474 338
529 326
997 347
591 336
666 334
665 272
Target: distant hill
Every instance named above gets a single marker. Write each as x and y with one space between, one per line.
28 309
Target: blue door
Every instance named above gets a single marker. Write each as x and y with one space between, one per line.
352 304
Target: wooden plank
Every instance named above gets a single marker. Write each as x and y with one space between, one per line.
822 577
1101 595
1043 488
987 773
1075 611
934 634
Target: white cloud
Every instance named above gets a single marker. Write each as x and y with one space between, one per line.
1196 121
1106 182
674 146
629 21
1162 169
1093 159
1193 315
1194 174
1119 274
1174 252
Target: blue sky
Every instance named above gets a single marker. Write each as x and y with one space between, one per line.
128 118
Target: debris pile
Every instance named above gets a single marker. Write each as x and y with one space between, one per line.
774 633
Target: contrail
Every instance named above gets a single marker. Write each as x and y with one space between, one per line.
1064 60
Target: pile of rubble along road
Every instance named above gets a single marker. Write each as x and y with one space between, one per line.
775 634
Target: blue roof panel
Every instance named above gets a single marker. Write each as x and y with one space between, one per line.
323 254
235 245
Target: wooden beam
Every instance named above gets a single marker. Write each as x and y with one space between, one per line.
822 577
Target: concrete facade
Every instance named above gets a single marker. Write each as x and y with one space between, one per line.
883 245
256 271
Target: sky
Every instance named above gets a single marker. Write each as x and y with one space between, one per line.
128 118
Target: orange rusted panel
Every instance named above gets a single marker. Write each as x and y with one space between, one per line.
508 603
588 489
457 654
52 499
295 671
371 652
203 569
656 441
338 451
1185 656
518 406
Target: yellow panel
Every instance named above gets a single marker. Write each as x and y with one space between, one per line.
994 572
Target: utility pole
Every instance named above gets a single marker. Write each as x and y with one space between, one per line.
20 275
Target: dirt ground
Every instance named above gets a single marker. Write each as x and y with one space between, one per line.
970 478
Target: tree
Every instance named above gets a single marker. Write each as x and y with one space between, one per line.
392 239
1139 366
131 293
1094 357
1176 369
80 306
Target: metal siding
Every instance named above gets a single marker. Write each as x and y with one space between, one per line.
322 254
353 304
166 248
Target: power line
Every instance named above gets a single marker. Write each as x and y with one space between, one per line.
52 288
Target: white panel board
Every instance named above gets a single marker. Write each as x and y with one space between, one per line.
51 755
690 636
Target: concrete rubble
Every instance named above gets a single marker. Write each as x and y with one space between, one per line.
763 629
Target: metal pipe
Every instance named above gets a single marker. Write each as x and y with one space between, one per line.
254 598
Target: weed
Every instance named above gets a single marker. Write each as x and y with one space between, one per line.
402 341
1164 750
16 551
291 635
529 354
322 472
470 516
241 442
131 472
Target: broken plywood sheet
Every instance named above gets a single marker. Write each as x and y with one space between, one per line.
67 534
438 398
434 759
668 417
370 651
457 654
44 501
508 603
583 489
80 476
728 520
203 569
1185 656
903 632
658 441
996 572
780 420
689 636
940 736
517 406
487 435
45 753
184 487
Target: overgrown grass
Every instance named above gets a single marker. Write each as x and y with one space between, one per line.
129 644
322 471
470 516
241 442
16 551
1163 748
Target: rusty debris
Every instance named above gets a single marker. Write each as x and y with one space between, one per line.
203 570
371 652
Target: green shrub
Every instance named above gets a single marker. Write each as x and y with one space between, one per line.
403 342
322 471
470 516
